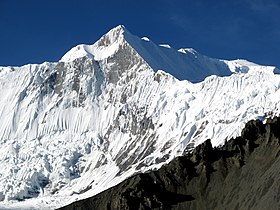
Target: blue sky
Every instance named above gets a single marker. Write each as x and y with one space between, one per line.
34 31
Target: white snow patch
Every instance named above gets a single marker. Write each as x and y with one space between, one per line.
165 46
145 38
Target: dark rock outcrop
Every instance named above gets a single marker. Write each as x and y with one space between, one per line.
242 174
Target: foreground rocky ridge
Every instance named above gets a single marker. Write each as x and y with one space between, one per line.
242 174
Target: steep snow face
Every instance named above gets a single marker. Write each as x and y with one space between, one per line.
104 112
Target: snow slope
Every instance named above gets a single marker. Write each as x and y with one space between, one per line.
105 111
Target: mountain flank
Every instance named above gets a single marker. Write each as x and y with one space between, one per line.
123 106
242 174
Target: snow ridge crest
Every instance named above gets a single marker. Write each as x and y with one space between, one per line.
184 64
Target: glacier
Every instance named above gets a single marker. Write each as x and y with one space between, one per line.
124 105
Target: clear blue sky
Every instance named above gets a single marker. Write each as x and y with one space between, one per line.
34 31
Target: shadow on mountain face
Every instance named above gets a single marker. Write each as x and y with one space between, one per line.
242 174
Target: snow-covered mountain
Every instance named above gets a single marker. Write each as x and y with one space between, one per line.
123 105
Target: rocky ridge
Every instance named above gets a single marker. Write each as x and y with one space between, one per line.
241 174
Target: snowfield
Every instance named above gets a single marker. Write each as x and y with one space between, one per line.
121 106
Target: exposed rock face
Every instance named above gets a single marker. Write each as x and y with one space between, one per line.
242 174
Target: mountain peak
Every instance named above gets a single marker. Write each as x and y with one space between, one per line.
118 29
70 130
115 35
103 48
184 64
